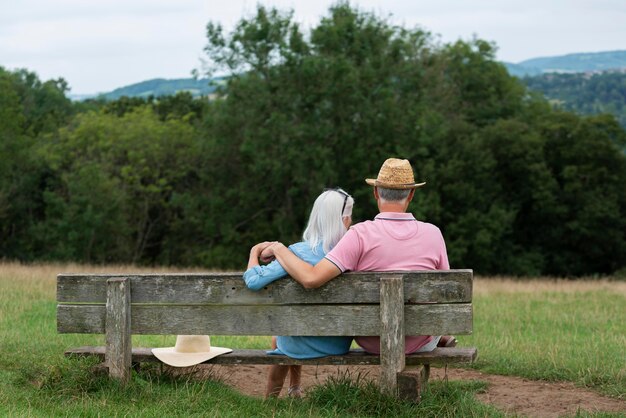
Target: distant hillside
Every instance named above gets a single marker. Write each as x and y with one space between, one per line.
570 63
163 87
572 81
587 94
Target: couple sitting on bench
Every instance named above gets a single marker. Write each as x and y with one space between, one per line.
393 241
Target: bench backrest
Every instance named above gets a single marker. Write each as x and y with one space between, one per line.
429 302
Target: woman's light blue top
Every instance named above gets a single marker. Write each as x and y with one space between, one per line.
258 277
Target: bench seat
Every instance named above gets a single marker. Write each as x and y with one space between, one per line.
439 356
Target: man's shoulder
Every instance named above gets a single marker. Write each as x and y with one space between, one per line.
427 225
362 226
430 229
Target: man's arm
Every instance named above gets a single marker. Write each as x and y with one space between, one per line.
307 275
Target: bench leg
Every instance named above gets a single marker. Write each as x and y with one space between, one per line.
392 332
118 353
412 383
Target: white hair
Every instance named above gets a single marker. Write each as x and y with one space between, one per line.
393 195
326 220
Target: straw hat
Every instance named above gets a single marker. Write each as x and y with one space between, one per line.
188 351
395 174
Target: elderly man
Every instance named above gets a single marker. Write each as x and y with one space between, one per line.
393 241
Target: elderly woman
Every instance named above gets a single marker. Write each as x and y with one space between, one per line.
329 220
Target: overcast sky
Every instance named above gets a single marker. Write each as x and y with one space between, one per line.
98 46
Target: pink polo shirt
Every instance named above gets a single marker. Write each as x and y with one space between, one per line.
391 242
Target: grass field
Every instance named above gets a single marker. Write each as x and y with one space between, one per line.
539 329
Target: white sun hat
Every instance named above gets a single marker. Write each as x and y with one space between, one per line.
189 350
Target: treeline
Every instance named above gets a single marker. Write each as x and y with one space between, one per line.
588 94
516 186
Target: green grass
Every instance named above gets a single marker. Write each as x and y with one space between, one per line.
571 336
574 336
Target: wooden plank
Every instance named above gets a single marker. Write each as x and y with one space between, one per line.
392 332
433 319
439 356
118 338
450 286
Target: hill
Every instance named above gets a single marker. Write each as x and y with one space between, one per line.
574 82
585 93
165 87
570 63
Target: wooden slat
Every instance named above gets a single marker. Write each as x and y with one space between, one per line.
438 356
117 330
450 286
391 332
433 319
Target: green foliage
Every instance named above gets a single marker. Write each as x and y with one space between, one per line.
29 109
114 180
516 186
181 105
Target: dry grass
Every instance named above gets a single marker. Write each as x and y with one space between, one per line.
491 285
42 276
15 269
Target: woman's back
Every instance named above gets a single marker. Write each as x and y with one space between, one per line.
328 222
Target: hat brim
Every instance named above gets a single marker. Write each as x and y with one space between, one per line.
374 182
173 358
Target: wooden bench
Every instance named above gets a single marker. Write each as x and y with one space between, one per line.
390 304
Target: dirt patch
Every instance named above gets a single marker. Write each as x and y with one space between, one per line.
509 394
536 398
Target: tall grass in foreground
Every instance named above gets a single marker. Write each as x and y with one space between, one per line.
547 330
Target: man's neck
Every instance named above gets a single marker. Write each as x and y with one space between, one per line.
392 207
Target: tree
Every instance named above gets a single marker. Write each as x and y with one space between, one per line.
301 112
115 176
29 110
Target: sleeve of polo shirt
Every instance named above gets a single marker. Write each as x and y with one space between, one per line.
347 252
443 256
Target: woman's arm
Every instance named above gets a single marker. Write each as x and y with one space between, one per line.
307 275
257 276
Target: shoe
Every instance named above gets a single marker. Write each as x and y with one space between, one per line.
447 341
294 392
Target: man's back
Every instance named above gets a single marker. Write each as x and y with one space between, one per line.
391 242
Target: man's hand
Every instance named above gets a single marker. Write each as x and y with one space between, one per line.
256 253
270 251
307 275
267 254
